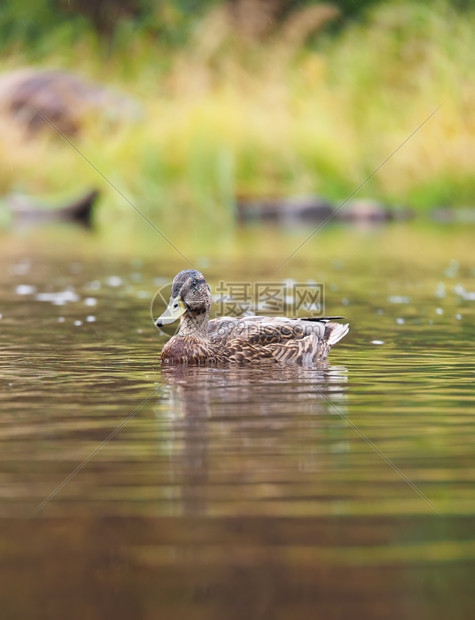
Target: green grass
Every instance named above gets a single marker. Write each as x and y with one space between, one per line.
224 117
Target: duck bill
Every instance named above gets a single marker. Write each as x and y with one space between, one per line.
173 312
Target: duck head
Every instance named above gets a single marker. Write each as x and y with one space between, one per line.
190 294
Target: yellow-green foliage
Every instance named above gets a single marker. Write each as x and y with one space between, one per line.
227 117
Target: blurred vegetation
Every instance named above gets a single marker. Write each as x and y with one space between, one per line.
276 97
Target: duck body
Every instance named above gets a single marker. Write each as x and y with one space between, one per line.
190 351
240 340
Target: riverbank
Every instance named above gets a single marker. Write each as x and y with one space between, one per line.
224 117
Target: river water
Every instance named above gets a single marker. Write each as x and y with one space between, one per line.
274 492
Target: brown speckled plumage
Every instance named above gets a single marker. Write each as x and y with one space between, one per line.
244 340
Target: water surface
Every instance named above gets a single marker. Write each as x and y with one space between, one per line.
236 492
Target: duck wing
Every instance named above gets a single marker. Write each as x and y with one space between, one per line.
311 348
263 331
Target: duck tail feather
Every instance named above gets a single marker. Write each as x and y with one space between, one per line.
337 331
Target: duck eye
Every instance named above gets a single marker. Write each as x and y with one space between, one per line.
175 306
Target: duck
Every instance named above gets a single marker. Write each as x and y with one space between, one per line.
240 340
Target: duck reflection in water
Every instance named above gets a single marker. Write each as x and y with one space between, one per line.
241 437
